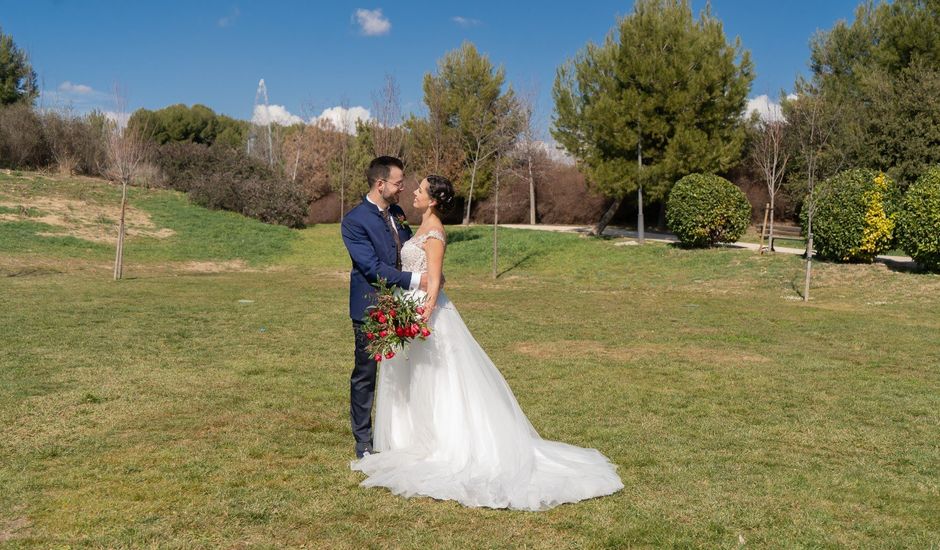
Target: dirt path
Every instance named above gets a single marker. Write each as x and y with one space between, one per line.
621 232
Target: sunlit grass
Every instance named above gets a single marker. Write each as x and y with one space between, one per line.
190 409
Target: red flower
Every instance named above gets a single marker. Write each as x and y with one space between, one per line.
425 332
400 332
381 318
420 310
378 357
391 314
370 336
383 334
390 354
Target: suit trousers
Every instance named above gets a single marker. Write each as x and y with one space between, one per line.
362 390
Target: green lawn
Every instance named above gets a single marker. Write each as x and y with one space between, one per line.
203 401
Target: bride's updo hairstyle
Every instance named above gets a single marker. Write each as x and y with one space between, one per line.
441 190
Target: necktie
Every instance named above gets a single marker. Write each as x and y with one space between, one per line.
391 226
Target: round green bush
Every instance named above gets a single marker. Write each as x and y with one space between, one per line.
919 220
852 222
705 209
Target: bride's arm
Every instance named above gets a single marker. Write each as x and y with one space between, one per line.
435 252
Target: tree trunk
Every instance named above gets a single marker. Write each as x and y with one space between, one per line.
809 259
293 176
119 253
661 222
473 177
640 224
495 227
771 237
531 194
601 224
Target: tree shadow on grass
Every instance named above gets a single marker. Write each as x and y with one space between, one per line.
904 266
460 236
519 263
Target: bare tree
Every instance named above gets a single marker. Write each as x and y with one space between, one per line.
494 128
813 120
126 150
388 136
343 165
528 144
770 156
505 145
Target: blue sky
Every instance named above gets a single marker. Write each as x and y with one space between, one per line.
317 55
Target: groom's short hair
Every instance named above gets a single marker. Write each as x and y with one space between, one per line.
381 167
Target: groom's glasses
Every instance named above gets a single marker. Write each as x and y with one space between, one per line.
400 183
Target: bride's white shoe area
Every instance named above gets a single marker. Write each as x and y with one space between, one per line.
448 426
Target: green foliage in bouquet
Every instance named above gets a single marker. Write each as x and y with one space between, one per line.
705 209
918 229
394 321
854 218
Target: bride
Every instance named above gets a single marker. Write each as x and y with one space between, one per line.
447 425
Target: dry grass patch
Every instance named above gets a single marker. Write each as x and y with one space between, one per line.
11 529
214 267
84 220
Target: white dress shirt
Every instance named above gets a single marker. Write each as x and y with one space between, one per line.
415 277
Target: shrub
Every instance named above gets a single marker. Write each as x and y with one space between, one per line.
853 220
918 229
76 143
22 143
227 179
704 209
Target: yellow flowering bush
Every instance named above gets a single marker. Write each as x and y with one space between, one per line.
852 223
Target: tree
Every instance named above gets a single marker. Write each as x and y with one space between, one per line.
388 135
341 167
126 149
813 118
527 148
17 78
883 68
432 146
770 155
661 98
466 96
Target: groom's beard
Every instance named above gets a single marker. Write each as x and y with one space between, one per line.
393 199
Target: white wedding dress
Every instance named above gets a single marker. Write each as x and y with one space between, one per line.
447 426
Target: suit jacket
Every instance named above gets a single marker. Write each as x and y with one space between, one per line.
371 247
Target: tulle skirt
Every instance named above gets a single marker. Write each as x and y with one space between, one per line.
447 426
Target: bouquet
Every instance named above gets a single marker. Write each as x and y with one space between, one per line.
392 322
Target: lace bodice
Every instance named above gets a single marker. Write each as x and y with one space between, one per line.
413 256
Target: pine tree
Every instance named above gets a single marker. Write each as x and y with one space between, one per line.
661 98
17 78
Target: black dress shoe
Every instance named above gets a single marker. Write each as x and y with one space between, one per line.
363 450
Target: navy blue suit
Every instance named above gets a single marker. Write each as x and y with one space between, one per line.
372 249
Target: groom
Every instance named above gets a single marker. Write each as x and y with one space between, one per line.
373 234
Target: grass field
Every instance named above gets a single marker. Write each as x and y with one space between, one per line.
203 401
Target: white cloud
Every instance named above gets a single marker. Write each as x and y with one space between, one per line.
345 119
765 107
276 114
79 98
79 89
372 22
465 21
229 19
